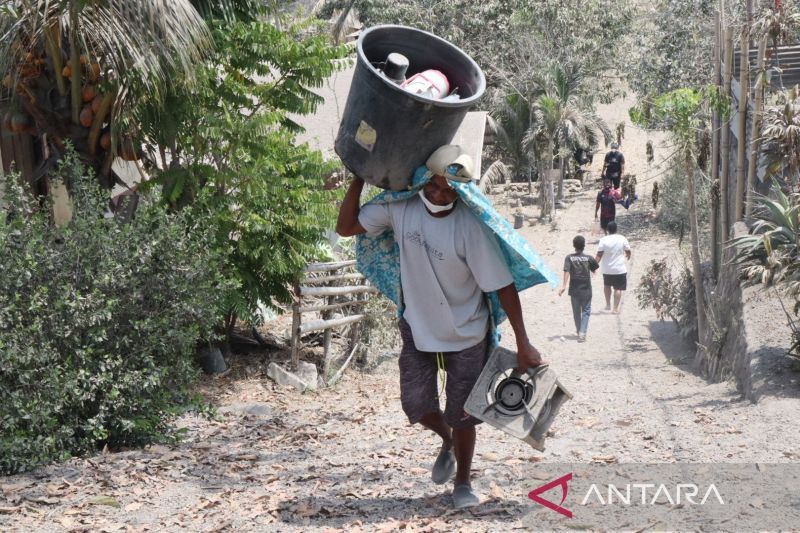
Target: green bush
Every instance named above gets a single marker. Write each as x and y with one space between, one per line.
98 323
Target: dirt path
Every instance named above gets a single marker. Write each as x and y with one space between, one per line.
345 458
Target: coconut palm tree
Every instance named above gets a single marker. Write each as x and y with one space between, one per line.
564 119
512 123
74 71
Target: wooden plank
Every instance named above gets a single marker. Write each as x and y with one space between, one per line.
326 337
339 374
326 267
296 322
336 291
320 308
328 279
317 325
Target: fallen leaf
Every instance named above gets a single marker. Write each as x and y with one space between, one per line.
489 456
67 522
495 491
135 506
587 421
306 509
104 500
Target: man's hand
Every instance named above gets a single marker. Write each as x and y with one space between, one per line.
561 291
528 357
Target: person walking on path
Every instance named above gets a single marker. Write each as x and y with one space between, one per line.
448 260
612 251
614 165
606 204
578 270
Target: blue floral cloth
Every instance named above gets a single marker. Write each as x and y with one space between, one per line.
378 256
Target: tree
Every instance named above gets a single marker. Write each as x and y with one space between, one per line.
564 118
226 145
585 36
481 29
74 70
672 46
512 124
685 113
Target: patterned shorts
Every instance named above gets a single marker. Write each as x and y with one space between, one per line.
419 375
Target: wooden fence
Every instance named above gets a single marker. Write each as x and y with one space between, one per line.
327 290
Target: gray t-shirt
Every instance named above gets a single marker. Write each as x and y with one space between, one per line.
446 264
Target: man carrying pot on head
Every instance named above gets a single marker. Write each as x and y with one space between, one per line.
448 259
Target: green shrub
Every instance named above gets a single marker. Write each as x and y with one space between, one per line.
98 323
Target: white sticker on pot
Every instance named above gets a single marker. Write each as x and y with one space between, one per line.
366 136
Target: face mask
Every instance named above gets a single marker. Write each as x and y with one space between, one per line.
433 208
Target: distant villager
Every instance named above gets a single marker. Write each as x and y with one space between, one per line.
655 196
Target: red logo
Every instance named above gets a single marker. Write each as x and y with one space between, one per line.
563 483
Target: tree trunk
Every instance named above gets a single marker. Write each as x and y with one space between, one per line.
697 272
744 94
755 129
725 142
715 126
530 180
715 244
561 177
75 63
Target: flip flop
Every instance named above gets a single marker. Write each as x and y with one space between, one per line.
444 467
463 497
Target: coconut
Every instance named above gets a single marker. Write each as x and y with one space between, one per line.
19 122
94 71
96 103
66 71
86 116
88 93
105 141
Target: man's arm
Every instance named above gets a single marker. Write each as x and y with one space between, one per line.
598 256
564 283
347 224
596 208
527 355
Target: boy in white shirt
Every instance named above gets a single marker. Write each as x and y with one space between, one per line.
612 251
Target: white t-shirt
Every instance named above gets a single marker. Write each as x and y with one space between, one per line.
446 264
613 247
